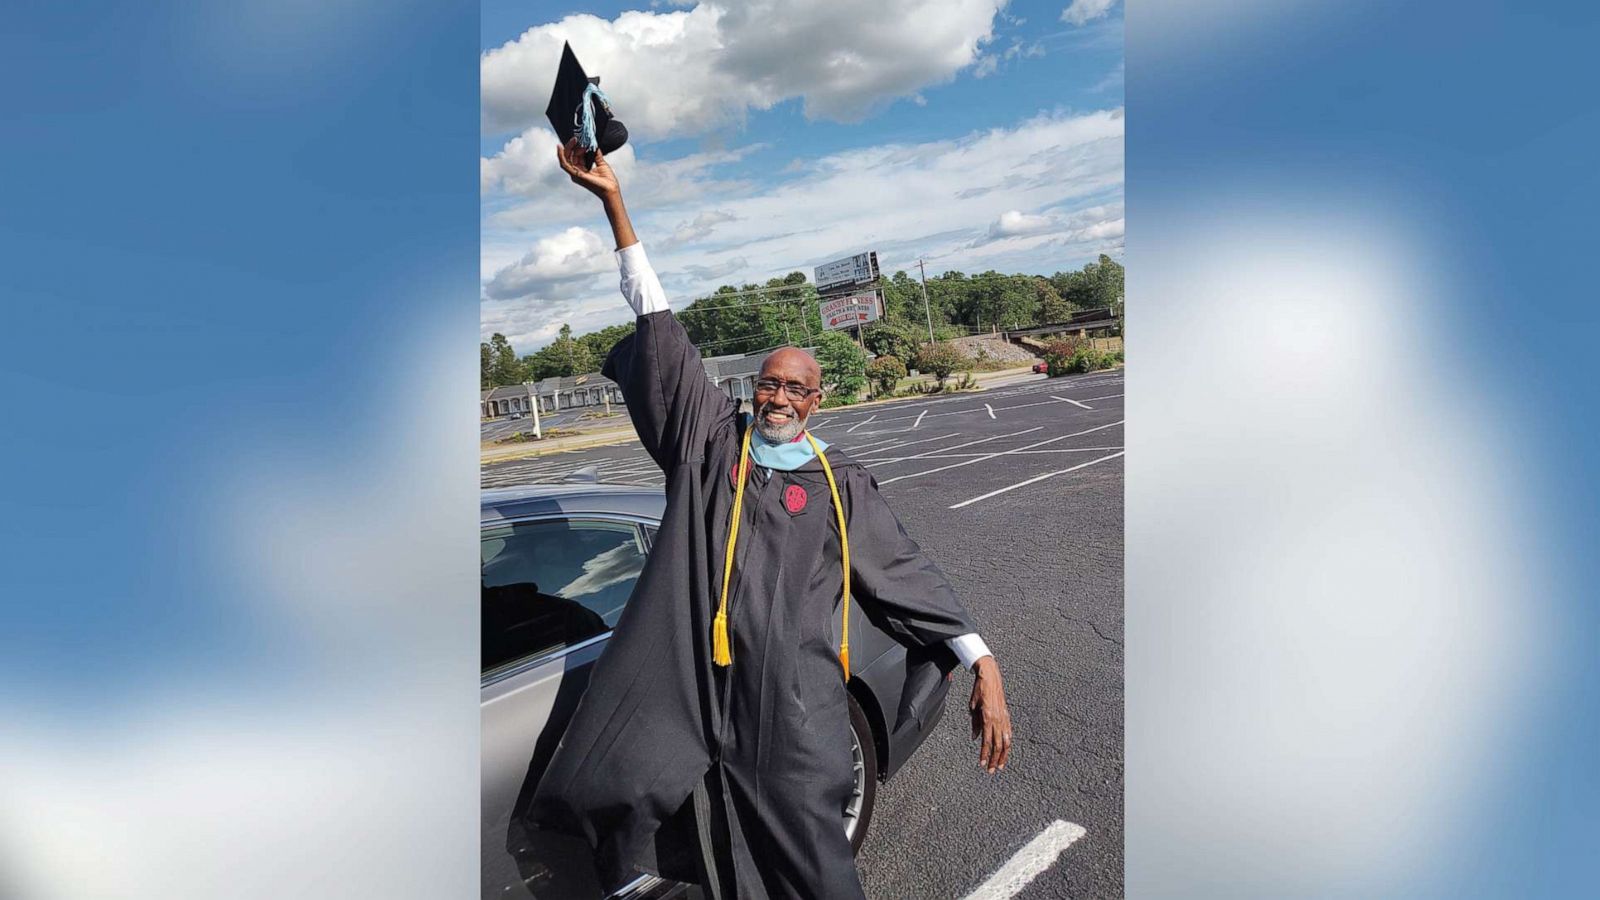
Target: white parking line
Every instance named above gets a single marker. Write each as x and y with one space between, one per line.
1106 397
1069 400
988 456
923 441
919 419
1036 479
990 409
1028 863
1026 405
859 424
858 448
959 446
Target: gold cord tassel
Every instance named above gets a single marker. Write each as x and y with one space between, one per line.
844 552
721 647
721 653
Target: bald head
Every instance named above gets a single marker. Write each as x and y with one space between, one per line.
792 364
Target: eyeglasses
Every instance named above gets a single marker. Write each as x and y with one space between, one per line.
793 388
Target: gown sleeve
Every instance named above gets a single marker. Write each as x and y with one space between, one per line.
894 580
674 407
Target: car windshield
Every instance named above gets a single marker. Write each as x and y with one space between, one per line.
552 583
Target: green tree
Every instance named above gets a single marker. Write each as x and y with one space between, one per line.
902 302
1104 278
752 317
994 300
885 373
566 355
890 338
1052 306
844 365
485 365
599 343
1098 284
940 359
499 362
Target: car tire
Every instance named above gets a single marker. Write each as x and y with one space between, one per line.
864 759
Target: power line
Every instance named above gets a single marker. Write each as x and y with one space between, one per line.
758 290
758 303
731 340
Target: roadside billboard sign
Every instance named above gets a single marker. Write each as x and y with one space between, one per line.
851 311
861 268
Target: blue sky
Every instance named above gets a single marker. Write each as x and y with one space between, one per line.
971 134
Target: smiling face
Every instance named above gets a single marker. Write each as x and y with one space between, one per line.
780 416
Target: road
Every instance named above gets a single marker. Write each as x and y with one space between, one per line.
1017 493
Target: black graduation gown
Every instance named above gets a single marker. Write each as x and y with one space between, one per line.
770 735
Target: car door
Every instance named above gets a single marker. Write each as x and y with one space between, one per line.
553 587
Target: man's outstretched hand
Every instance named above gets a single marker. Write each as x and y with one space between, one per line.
991 721
600 180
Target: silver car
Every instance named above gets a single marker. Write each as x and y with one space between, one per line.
559 562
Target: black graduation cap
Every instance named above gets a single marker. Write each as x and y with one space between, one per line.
574 94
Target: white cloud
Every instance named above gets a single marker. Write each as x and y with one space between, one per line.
684 72
1015 222
1085 11
554 268
1087 231
989 63
698 228
1111 229
543 195
530 324
970 203
709 274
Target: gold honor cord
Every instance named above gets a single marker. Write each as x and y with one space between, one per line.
721 650
844 548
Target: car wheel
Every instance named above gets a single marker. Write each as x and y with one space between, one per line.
864 793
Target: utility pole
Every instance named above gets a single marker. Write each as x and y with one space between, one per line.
538 430
924 270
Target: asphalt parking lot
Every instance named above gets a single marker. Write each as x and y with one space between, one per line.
1017 493
499 429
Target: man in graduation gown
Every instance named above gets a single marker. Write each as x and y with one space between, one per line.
731 767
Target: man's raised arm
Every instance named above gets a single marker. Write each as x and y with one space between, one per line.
675 408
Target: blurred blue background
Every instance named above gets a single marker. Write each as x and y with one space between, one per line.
1361 462
240 282
239 655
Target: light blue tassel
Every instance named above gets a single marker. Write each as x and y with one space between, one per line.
586 136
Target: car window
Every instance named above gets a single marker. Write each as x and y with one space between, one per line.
553 583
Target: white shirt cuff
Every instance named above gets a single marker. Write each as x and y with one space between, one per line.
969 648
640 287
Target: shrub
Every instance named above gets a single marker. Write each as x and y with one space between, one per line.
885 372
892 339
843 365
940 360
1083 359
829 401
967 382
1061 353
